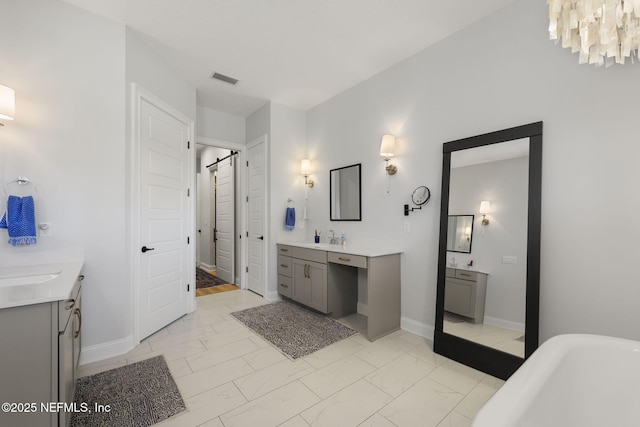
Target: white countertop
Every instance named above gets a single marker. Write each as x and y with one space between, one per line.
465 268
367 250
67 265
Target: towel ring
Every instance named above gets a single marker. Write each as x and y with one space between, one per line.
290 203
21 180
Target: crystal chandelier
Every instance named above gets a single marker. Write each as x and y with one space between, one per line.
603 31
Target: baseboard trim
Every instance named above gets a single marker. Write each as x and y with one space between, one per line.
363 309
506 324
271 296
95 353
417 328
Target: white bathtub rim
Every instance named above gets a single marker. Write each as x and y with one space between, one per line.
528 379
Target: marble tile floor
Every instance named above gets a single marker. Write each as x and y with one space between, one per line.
229 376
492 336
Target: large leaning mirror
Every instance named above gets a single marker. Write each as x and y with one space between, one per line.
345 194
488 297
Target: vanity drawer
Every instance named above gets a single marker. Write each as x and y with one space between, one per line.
316 255
467 275
451 272
347 259
284 265
284 285
284 250
67 307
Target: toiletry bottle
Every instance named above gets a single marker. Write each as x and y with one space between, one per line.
343 239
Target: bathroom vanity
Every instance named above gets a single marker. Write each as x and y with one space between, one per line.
465 293
333 279
40 325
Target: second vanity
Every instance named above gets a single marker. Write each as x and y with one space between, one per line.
334 279
40 325
465 293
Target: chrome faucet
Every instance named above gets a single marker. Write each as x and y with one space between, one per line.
333 240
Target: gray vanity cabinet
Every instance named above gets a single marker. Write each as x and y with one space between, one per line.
465 293
310 284
39 351
302 276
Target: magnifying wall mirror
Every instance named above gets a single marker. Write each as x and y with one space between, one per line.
488 294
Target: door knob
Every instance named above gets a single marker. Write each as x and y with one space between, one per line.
261 238
145 249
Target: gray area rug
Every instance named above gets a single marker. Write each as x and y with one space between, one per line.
294 330
140 394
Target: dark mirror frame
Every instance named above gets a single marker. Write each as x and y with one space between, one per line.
486 359
359 168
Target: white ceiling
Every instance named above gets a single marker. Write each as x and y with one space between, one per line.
295 52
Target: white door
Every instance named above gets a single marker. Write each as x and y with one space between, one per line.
225 220
164 269
256 209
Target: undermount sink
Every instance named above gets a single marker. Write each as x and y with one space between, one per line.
7 280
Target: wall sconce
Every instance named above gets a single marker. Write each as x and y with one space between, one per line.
305 170
7 103
388 150
485 207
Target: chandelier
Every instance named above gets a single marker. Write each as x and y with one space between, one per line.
602 31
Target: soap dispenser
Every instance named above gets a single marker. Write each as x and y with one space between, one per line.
343 239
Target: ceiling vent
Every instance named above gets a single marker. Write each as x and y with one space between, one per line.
224 78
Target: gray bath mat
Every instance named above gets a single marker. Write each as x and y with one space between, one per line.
292 329
140 395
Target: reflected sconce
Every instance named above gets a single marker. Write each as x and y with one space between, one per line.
7 103
388 150
467 233
305 170
485 207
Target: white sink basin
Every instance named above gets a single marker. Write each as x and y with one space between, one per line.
26 279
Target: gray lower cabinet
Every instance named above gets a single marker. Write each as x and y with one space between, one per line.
465 293
310 284
39 355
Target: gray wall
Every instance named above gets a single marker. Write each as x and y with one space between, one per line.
501 72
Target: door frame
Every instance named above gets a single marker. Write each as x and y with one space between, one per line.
242 187
266 223
137 95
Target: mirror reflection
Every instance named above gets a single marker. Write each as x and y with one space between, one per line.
460 233
345 196
485 287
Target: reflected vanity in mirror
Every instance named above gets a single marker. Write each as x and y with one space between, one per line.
460 233
488 293
345 201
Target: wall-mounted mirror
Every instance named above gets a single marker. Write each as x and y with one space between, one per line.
345 201
487 310
460 233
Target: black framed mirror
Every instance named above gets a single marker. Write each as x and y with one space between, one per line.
460 233
487 303
345 197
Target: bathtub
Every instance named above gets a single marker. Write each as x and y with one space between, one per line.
571 380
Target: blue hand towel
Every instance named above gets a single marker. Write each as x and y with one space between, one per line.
290 219
20 220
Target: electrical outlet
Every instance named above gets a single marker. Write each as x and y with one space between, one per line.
509 260
45 229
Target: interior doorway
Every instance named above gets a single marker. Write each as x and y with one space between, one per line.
218 223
